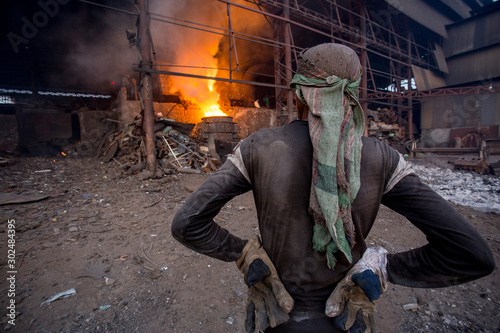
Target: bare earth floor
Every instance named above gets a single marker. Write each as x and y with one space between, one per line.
107 236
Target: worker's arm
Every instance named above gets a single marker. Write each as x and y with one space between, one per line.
456 252
193 224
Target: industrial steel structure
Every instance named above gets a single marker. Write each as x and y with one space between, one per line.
396 41
411 50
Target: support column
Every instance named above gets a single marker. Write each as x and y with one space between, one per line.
410 99
147 86
288 59
364 58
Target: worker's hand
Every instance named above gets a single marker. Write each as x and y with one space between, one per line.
351 303
268 301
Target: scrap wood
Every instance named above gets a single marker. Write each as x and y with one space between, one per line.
24 254
114 159
102 142
146 257
110 151
124 226
171 151
187 148
95 231
154 203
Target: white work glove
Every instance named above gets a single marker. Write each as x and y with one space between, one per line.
351 303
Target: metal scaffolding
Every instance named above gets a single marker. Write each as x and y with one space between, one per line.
387 47
381 35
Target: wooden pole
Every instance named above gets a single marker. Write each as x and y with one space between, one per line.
147 86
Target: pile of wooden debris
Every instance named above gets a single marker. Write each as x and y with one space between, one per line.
175 149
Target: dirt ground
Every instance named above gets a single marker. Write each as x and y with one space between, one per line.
108 237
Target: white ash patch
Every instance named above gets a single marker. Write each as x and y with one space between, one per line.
481 192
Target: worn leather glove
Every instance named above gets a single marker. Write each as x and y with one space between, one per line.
351 303
268 301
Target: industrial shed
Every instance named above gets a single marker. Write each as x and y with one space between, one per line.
431 68
468 101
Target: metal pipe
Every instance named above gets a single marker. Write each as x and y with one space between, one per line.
212 29
217 68
255 83
230 35
447 150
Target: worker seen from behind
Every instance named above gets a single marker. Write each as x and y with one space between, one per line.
318 185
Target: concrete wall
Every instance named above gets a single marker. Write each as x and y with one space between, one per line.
8 127
251 120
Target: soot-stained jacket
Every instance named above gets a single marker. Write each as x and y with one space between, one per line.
276 165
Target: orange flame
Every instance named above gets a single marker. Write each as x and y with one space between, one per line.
200 92
213 110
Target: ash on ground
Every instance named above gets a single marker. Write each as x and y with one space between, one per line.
469 189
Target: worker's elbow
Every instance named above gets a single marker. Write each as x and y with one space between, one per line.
481 262
178 226
487 262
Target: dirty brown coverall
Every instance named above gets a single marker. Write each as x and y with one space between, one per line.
279 162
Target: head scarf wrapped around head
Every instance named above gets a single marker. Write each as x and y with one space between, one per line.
327 80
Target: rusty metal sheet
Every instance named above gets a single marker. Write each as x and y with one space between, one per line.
479 65
440 58
472 34
426 79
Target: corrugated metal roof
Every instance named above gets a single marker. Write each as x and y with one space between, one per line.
476 66
473 34
424 14
426 79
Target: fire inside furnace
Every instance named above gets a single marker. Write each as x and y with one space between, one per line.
213 110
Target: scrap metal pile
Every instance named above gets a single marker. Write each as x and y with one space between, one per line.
383 124
175 150
478 165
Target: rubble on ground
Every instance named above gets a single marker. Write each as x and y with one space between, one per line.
175 150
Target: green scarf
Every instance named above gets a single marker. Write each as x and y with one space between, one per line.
336 125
